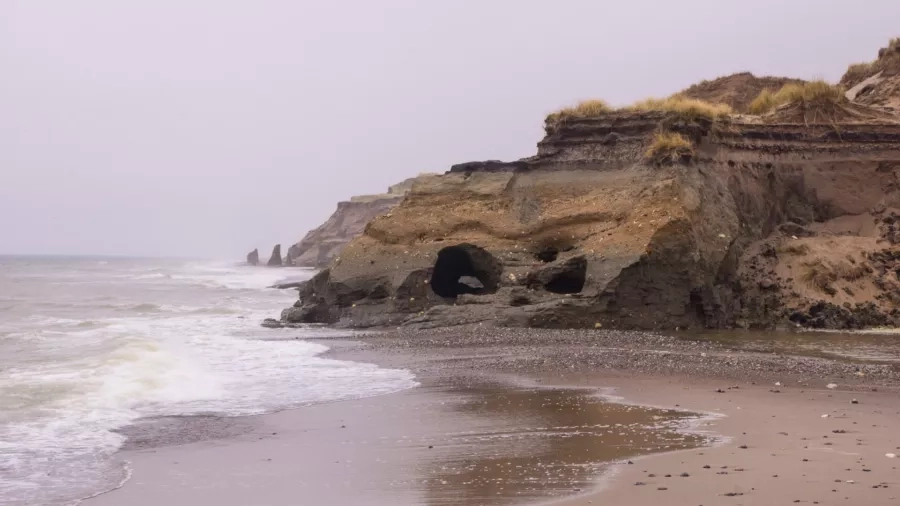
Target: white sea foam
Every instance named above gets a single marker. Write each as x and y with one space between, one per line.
72 372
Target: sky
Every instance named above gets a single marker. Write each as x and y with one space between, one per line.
207 128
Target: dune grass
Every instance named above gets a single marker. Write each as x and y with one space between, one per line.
583 109
689 108
817 91
669 147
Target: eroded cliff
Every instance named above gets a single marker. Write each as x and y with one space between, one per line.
763 220
320 246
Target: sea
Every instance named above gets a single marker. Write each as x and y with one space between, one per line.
89 346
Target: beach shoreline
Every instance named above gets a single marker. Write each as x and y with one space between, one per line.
736 399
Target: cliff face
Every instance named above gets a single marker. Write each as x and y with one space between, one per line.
769 223
323 244
792 217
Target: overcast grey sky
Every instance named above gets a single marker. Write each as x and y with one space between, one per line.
209 127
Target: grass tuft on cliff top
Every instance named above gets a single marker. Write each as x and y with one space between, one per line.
813 92
584 109
689 108
669 147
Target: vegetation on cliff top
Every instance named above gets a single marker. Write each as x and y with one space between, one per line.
584 109
735 90
688 108
887 56
812 93
669 147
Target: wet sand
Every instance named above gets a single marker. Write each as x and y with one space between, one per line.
513 418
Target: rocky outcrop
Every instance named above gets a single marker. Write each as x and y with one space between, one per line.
588 233
323 244
788 219
275 259
253 257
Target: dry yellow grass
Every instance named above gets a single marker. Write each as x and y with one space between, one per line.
818 275
584 109
859 71
669 147
817 91
844 270
689 108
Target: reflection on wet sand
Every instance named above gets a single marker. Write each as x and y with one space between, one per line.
541 443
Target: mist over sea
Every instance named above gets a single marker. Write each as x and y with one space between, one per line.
90 345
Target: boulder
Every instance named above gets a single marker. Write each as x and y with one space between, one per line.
253 257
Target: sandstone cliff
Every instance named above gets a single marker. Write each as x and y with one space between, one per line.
323 244
793 216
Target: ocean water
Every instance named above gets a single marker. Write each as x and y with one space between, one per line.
90 345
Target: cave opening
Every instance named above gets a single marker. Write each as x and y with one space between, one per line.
570 278
465 268
547 255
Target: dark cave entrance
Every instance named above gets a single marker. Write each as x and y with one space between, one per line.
569 278
465 268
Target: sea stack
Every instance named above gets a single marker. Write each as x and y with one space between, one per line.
253 257
275 259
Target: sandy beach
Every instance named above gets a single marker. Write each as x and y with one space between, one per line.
520 417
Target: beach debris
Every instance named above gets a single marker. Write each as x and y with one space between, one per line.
668 476
662 488
831 386
706 466
743 447
839 431
854 401
777 383
720 391
825 415
850 481
684 475
639 484
732 494
703 355
891 455
598 325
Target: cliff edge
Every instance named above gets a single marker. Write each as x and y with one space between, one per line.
320 246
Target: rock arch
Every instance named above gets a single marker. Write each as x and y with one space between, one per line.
465 268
